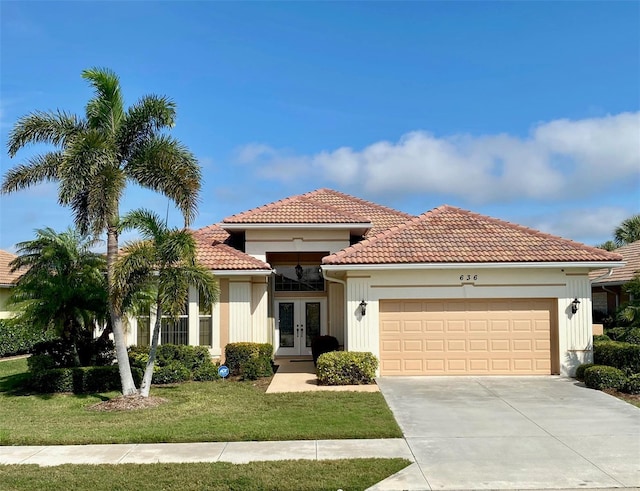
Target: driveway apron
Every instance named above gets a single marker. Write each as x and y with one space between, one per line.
512 433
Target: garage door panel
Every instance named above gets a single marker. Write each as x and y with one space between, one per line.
466 337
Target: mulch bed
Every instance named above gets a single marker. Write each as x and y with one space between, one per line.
128 403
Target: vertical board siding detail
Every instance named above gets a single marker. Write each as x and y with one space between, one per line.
579 328
259 315
239 311
359 334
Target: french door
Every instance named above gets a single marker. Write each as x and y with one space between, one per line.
298 321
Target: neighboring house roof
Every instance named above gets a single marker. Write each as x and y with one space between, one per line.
631 256
6 276
214 253
322 206
451 235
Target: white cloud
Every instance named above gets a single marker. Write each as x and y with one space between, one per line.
559 159
592 225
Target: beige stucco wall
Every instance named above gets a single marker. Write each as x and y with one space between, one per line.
574 331
259 242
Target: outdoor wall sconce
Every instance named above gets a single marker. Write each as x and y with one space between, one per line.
363 308
574 305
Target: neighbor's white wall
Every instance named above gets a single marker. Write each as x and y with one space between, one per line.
574 331
5 293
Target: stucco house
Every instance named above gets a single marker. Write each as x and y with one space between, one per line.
449 292
607 293
7 281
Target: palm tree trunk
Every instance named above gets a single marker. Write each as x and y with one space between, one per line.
117 326
145 387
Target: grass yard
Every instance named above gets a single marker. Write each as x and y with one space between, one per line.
196 411
298 475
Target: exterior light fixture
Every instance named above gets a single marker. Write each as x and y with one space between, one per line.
363 308
574 305
298 269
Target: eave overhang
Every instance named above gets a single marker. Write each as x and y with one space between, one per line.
511 265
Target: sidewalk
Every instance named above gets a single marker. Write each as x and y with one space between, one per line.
233 452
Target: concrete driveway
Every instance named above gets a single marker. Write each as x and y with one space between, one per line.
512 433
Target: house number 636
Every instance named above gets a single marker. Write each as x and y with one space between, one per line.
468 277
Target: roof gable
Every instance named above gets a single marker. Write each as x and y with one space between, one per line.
451 235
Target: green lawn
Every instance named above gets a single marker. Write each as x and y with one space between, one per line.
196 411
298 475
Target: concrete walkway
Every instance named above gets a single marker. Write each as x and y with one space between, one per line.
299 375
233 452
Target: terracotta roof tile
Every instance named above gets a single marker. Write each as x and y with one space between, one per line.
631 256
322 206
451 235
6 276
214 253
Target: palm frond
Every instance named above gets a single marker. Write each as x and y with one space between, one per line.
148 223
106 110
37 169
164 165
628 231
149 115
44 127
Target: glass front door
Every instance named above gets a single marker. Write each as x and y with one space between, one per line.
298 321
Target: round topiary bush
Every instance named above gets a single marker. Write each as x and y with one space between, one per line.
633 384
604 377
633 336
580 370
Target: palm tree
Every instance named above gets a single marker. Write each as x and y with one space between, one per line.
95 157
628 231
164 259
63 287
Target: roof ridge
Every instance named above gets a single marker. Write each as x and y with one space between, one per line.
360 200
266 207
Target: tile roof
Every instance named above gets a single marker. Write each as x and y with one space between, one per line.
631 256
323 206
451 235
6 276
213 252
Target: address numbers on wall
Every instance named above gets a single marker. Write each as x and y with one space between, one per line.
468 277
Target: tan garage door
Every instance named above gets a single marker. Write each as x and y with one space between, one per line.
466 337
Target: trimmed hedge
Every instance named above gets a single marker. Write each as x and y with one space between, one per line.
80 380
624 356
175 363
604 377
206 373
346 368
17 339
92 352
580 370
601 337
249 359
323 344
633 384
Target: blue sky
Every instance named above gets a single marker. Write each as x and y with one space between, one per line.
526 111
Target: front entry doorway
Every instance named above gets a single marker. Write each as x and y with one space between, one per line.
298 321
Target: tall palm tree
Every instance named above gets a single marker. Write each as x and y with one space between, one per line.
63 287
165 260
94 158
628 231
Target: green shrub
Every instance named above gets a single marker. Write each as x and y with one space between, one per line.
237 355
601 337
616 333
580 370
624 356
633 336
138 356
323 344
346 368
254 368
172 373
206 372
91 352
17 338
80 379
633 384
604 377
191 357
